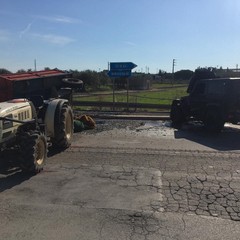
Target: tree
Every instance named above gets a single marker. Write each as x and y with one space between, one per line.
183 75
21 71
89 78
161 73
4 71
104 78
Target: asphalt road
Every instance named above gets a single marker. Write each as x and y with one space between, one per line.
128 180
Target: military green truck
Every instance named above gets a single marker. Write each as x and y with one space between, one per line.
211 100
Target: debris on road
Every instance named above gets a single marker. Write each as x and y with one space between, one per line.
84 122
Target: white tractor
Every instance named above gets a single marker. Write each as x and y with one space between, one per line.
31 126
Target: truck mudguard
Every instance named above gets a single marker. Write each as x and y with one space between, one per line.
50 116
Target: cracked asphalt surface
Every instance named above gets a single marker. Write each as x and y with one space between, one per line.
128 180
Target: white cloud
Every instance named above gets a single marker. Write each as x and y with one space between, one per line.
59 19
54 39
25 30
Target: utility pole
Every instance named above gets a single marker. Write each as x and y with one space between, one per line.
35 65
173 65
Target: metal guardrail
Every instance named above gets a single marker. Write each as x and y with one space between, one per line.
121 105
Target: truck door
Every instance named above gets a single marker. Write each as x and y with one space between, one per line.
197 99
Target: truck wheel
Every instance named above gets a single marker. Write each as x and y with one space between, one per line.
33 148
213 121
176 115
63 126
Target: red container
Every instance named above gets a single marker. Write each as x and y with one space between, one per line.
24 85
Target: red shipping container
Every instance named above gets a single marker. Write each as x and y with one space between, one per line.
24 85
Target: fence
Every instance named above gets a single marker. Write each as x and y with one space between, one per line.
121 105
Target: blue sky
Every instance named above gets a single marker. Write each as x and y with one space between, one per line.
87 34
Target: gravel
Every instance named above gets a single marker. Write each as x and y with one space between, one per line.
106 125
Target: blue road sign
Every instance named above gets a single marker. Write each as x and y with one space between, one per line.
117 73
122 66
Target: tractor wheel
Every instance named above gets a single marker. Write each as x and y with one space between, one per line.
63 126
33 147
176 115
213 121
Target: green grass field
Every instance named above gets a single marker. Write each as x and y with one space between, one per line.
160 94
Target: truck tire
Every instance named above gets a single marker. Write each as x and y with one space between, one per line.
176 115
33 149
213 121
63 126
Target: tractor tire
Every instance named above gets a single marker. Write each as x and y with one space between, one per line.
213 121
33 148
176 115
63 126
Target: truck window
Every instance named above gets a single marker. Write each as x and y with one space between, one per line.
216 87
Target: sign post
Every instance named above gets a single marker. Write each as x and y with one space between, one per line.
113 87
121 70
128 94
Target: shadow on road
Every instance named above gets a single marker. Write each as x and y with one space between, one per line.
227 140
10 172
